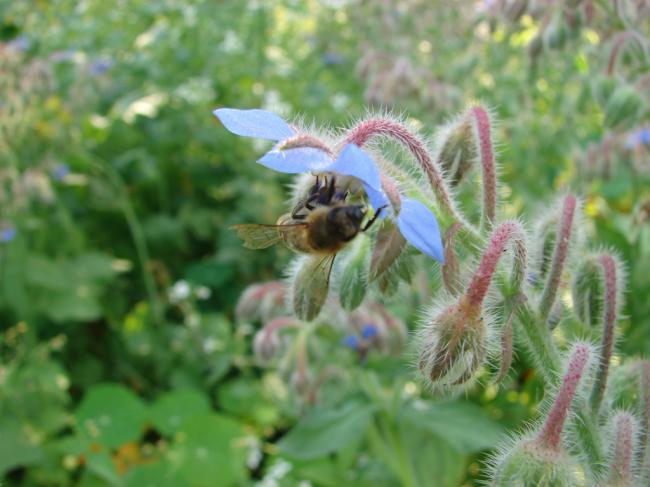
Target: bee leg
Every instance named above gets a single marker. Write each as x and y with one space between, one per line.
331 189
304 204
373 219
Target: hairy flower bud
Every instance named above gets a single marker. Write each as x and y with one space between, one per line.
587 293
456 149
453 346
309 286
267 342
623 108
563 239
540 458
624 438
354 280
261 302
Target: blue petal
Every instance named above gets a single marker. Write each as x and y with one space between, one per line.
352 161
296 161
351 341
254 123
377 199
420 227
369 330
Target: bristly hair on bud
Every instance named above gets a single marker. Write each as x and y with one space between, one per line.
267 342
563 238
539 456
453 345
467 141
308 286
262 301
612 283
623 451
588 287
455 339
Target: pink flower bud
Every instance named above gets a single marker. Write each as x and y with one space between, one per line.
453 346
267 341
540 458
624 438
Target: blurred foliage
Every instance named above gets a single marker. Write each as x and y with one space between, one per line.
122 361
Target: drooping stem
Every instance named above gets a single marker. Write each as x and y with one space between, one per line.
379 127
609 320
617 45
551 433
502 236
564 232
486 157
624 438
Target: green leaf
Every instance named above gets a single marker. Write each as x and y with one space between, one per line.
210 451
101 465
111 415
15 448
324 431
171 409
462 424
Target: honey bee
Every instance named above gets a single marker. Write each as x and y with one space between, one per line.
321 225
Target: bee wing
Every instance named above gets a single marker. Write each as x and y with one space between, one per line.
262 236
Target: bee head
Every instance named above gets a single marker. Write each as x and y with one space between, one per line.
346 220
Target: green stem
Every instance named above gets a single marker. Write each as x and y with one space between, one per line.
394 456
540 343
589 440
139 241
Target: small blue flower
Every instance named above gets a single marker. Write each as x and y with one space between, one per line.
638 138
331 58
415 221
368 331
351 341
100 66
60 172
8 234
20 43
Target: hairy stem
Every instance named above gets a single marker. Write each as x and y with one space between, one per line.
564 232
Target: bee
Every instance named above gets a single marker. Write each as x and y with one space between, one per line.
321 225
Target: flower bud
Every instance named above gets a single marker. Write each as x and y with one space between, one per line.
261 302
267 342
628 385
389 243
623 108
587 293
545 242
310 285
529 464
388 333
564 237
540 458
624 439
457 151
354 279
453 346
603 87
556 33
265 346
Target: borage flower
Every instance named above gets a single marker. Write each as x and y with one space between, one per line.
296 153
